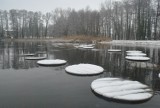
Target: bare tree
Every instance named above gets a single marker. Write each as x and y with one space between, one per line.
46 18
14 22
1 25
157 14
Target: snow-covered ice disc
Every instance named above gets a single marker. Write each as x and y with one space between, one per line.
80 46
51 62
35 58
133 51
114 50
136 54
88 47
119 89
137 58
84 69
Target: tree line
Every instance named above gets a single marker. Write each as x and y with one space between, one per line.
125 19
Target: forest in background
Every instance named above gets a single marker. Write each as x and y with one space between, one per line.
118 20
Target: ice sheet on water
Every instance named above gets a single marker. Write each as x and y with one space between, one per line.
120 89
84 69
51 62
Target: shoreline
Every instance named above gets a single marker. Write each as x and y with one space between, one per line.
68 39
143 43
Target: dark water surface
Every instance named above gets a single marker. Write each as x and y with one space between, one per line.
24 84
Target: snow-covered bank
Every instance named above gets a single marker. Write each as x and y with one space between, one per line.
146 43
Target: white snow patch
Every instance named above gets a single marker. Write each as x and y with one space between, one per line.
135 97
133 43
134 51
84 69
88 47
51 62
120 94
85 46
35 58
121 89
111 83
114 50
137 58
136 54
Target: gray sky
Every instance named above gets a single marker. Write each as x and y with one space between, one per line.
49 5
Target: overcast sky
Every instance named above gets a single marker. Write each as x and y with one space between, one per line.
49 5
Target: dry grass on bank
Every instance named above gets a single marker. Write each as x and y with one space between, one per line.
80 39
86 38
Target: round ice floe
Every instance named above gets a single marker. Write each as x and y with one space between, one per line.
85 46
114 50
134 51
81 46
35 58
136 54
137 58
84 69
119 89
51 62
88 47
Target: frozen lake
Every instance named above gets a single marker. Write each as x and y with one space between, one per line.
25 84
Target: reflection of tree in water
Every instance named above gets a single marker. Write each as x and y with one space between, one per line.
145 72
11 54
114 64
5 53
